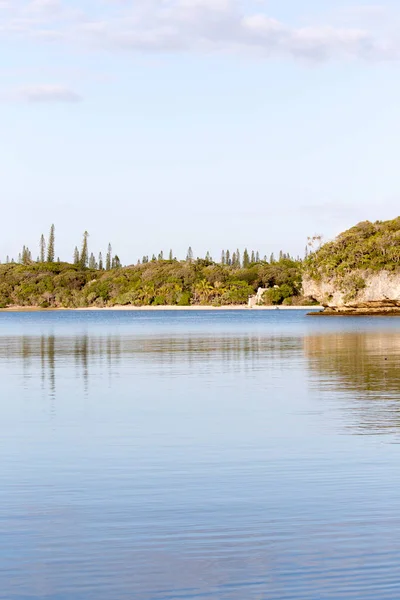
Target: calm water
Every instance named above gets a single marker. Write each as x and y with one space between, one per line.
216 455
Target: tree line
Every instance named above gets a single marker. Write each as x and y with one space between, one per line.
232 259
83 259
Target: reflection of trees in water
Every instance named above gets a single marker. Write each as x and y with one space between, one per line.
88 353
365 366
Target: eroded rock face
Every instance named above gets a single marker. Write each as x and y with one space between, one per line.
376 292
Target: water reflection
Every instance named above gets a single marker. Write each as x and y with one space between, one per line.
161 354
362 372
198 464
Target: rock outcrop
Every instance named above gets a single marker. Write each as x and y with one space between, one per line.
359 294
257 299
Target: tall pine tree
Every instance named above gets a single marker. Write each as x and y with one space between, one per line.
84 257
100 261
109 258
189 255
50 245
238 259
76 256
246 259
42 249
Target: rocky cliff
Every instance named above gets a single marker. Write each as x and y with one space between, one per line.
358 272
359 293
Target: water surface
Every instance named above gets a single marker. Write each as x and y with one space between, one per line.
218 455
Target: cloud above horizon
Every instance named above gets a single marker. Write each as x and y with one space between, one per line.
197 26
47 93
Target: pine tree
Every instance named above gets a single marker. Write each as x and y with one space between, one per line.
272 258
234 259
161 255
7 259
109 258
100 261
280 254
228 258
223 257
246 259
50 245
189 256
208 256
92 261
253 257
116 263
153 258
171 256
42 248
76 256
84 257
238 259
257 257
19 258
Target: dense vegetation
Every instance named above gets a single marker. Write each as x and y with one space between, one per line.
367 246
157 282
347 260
89 281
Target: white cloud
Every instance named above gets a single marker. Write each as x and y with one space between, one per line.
49 7
47 93
191 26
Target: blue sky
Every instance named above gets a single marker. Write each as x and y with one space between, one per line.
210 123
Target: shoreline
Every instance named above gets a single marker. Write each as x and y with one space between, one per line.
159 308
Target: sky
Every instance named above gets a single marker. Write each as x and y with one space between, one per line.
158 124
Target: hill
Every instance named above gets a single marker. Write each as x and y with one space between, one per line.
157 283
360 268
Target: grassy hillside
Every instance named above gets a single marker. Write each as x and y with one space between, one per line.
367 246
162 282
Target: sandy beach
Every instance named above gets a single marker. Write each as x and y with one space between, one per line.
159 308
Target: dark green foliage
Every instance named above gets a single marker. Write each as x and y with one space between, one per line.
246 259
367 246
198 282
